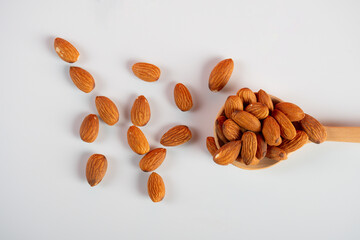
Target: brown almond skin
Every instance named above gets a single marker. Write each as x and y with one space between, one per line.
232 103
314 129
227 153
261 147
249 147
152 160
176 136
211 145
107 110
156 187
297 142
271 131
276 153
140 111
137 140
292 111
89 128
231 130
221 74
257 109
66 50
219 129
146 71
265 99
82 79
246 120
287 129
182 97
96 169
246 95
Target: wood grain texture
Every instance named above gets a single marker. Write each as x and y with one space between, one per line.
343 134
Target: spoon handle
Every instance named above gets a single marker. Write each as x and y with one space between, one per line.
343 134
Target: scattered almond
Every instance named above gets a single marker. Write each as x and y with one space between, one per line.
258 109
271 131
297 142
107 110
140 111
220 75
89 128
249 147
219 129
314 129
287 129
233 103
247 96
227 153
82 79
182 97
137 140
176 136
146 71
211 145
66 50
261 147
231 130
276 153
152 160
246 120
292 111
156 187
265 99
96 169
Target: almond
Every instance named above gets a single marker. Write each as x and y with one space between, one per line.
287 129
246 120
107 110
257 109
231 130
249 147
146 71
66 50
314 129
227 153
211 145
96 169
219 129
220 75
261 147
152 160
255 161
297 142
233 103
176 136
276 153
247 96
156 187
137 140
82 79
271 131
182 97
265 99
140 111
89 128
292 111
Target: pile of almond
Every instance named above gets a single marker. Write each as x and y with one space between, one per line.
140 116
253 125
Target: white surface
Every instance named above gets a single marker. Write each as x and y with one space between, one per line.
305 52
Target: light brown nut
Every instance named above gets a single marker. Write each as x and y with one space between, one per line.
287 129
152 160
82 79
137 140
265 99
292 111
89 128
211 145
227 153
66 50
314 129
247 96
107 110
140 111
271 131
182 97
231 130
297 142
220 75
156 187
146 71
176 136
96 169
276 153
257 109
219 129
233 103
246 120
249 147
261 147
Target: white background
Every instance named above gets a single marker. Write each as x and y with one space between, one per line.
306 52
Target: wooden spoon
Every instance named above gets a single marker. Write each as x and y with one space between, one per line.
335 134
